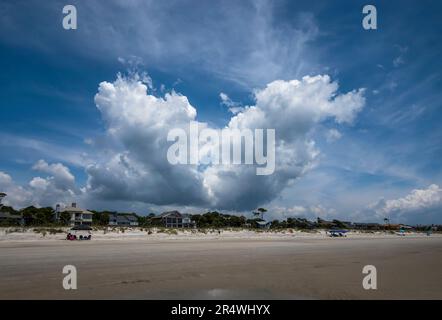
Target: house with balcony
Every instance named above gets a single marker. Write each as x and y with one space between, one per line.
77 215
174 219
123 220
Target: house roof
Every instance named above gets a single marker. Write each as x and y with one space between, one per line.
173 213
75 209
124 217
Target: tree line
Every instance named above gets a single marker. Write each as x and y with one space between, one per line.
33 216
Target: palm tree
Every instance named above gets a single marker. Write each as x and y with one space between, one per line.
386 221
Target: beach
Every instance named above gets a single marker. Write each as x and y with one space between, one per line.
222 266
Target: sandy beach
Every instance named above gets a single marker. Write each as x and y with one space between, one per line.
222 266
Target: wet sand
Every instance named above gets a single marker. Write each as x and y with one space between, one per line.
328 268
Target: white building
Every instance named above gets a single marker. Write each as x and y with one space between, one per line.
78 216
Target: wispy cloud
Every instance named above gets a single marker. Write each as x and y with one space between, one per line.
31 148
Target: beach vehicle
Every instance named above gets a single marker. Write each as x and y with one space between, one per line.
403 229
337 233
80 232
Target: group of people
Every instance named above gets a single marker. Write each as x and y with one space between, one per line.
71 236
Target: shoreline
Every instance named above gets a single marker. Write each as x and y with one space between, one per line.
16 234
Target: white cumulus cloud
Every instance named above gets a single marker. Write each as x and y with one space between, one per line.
131 159
333 135
136 168
57 187
419 206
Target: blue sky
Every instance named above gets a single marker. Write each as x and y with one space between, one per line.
381 164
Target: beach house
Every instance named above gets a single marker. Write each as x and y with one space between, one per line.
7 217
174 219
367 226
77 216
123 220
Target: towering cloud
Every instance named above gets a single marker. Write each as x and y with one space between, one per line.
136 168
131 163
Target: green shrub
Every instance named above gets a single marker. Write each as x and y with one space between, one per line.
45 231
14 230
55 231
